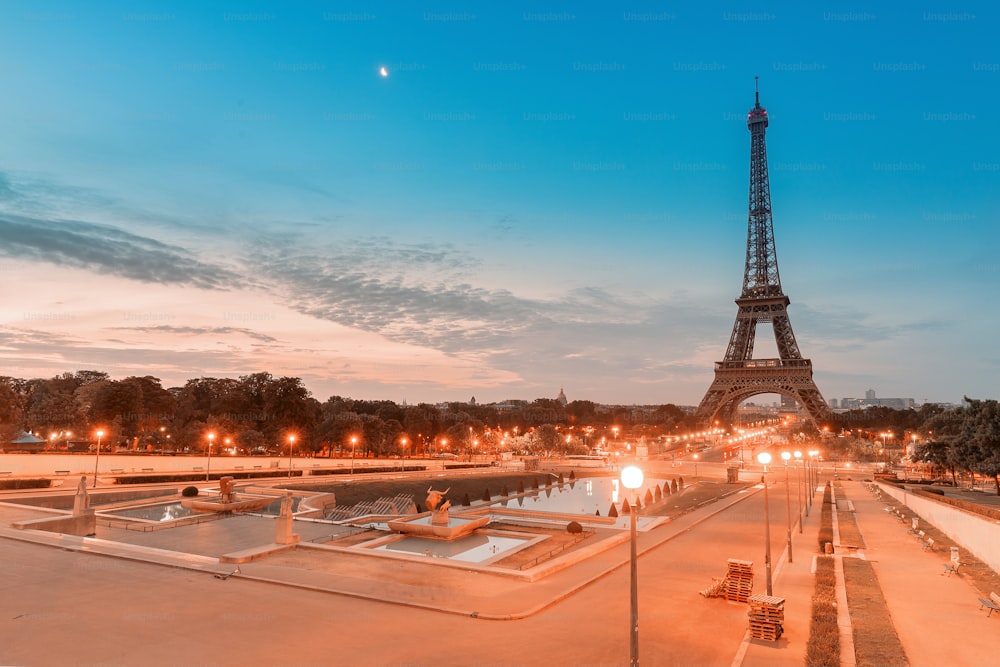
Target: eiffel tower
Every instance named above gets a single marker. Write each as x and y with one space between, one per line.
739 376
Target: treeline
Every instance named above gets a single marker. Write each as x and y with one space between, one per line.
965 439
260 413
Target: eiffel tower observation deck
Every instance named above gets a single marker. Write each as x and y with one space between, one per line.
739 375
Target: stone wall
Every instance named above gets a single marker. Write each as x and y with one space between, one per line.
979 534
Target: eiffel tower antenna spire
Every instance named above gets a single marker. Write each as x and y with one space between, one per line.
739 375
756 90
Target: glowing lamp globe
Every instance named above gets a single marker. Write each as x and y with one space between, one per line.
764 458
632 477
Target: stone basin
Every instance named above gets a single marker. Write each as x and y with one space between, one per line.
423 526
232 506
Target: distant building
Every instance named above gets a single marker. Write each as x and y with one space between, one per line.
871 401
562 397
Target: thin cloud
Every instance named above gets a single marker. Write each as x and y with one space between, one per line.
201 331
107 250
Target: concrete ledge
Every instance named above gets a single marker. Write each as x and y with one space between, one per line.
253 553
81 525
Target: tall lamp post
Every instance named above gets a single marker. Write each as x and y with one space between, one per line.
695 465
764 458
788 504
354 442
100 434
798 484
632 480
291 443
402 458
208 465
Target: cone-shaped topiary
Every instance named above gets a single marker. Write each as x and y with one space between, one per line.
666 489
659 494
465 500
613 512
572 474
673 486
648 497
680 482
486 495
574 527
520 486
626 508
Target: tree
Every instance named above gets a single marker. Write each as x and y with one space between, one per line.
981 429
547 439
942 445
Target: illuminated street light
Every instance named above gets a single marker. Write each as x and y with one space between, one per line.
291 443
764 458
632 479
798 483
788 504
354 442
402 459
100 434
208 466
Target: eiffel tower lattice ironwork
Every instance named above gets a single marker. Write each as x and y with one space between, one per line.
739 376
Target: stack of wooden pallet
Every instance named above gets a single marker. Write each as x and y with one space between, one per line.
767 613
739 580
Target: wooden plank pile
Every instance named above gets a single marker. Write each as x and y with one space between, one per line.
737 585
767 613
739 580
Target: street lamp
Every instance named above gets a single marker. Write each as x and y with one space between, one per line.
788 504
798 484
354 442
764 458
402 460
632 479
695 465
291 443
208 465
100 434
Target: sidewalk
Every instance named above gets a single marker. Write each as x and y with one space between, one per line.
937 617
793 582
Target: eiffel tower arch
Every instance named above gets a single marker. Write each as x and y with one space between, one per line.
739 376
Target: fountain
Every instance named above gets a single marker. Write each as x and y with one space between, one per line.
437 523
226 501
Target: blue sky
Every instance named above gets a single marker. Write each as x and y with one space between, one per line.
536 196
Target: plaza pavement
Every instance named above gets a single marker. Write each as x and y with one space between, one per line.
63 607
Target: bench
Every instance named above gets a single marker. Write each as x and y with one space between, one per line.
993 604
929 544
62 472
951 568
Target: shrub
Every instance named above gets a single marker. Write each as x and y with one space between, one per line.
823 647
574 527
680 482
825 526
190 491
465 500
486 495
673 486
613 512
25 483
520 487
